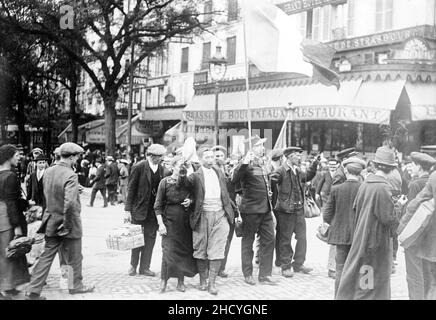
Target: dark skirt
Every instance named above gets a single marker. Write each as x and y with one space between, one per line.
13 272
177 251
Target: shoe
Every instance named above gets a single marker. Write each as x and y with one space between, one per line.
250 280
83 289
147 273
287 273
132 271
214 267
303 269
13 292
202 271
34 296
278 263
331 274
89 205
163 286
4 296
105 206
222 274
181 287
267 281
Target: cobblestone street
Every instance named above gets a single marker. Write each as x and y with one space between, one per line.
107 269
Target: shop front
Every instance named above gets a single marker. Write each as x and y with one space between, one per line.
319 118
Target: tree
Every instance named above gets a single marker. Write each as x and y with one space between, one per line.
104 31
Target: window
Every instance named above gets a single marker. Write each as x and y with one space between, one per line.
380 57
321 23
207 11
383 15
148 98
206 56
309 22
161 98
232 10
185 60
368 58
316 23
326 23
303 23
231 50
350 22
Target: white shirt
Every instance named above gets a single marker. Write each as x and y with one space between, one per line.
153 166
39 174
212 189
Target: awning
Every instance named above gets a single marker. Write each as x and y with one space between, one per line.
162 114
422 100
356 101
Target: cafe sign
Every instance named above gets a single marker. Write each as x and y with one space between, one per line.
306 113
423 112
296 6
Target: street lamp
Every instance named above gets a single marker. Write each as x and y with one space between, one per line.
217 69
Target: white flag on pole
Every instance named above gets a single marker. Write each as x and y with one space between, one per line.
273 40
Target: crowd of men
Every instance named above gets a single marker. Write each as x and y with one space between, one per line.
365 204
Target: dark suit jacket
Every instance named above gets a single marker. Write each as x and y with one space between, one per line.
324 184
112 174
99 180
36 190
139 190
61 189
196 184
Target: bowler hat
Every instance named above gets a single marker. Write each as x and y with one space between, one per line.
290 150
346 153
386 156
70 148
40 157
422 158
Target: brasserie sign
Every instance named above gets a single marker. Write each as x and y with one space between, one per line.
296 6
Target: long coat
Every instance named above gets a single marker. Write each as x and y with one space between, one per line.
427 242
196 185
61 189
367 270
112 174
139 190
36 189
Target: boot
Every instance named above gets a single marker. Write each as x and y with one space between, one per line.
214 268
163 286
202 270
181 285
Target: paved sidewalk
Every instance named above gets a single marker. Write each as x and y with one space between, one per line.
107 269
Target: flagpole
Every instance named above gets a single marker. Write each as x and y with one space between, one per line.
247 85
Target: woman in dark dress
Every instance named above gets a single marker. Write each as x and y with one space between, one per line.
172 211
13 272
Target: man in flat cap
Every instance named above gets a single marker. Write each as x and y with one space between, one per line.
256 213
61 224
143 183
338 212
420 167
339 176
112 175
290 210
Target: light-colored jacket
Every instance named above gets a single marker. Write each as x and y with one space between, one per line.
61 189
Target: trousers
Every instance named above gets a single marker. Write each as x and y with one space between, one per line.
429 273
290 224
229 241
262 223
342 251
414 274
142 255
112 193
72 253
94 193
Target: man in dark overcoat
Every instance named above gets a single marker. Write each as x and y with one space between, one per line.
36 182
143 184
290 210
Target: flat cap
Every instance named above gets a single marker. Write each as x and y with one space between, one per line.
422 158
70 148
346 153
290 150
156 149
57 151
354 162
40 157
276 154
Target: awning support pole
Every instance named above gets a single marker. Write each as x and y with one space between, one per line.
247 86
